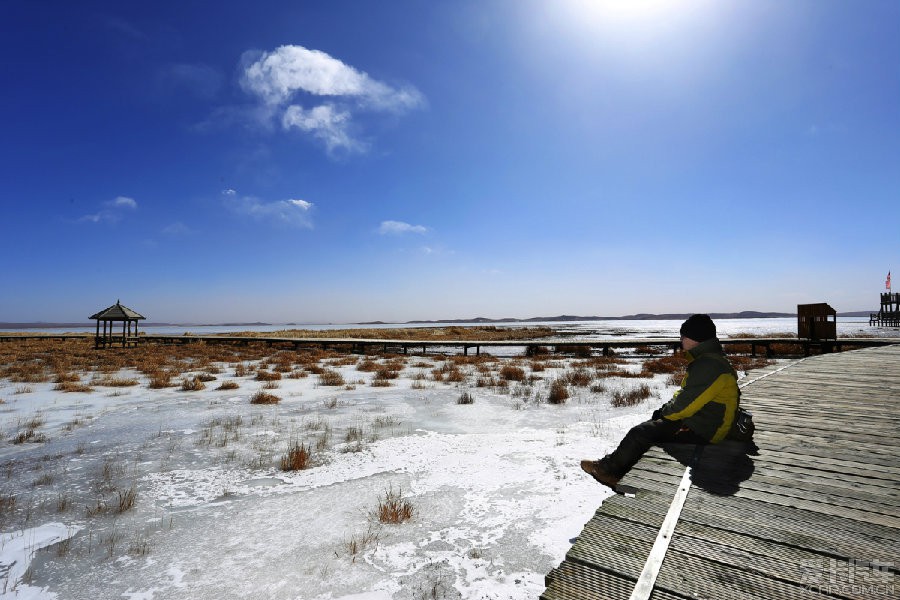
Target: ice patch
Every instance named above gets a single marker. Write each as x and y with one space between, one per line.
17 549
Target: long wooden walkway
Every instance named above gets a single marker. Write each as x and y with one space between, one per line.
814 514
765 344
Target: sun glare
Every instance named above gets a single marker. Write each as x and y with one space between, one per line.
623 9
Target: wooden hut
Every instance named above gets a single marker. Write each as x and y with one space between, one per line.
113 314
816 322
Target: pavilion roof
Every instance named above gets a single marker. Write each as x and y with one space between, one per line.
117 312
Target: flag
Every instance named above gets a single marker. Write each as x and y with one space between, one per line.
887 284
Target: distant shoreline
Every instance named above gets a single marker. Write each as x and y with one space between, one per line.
476 320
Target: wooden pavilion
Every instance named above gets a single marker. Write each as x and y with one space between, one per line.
113 314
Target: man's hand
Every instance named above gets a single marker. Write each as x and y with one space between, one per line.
657 414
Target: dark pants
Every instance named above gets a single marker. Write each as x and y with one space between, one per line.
640 439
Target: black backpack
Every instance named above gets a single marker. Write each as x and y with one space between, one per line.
742 429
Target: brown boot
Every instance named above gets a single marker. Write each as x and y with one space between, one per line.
597 470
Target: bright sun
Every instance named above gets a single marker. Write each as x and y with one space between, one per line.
622 9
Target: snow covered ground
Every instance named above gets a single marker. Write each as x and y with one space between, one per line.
495 486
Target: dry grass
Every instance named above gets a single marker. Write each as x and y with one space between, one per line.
228 385
72 386
748 363
126 500
512 373
466 398
298 457
192 384
632 397
267 376
386 372
115 382
578 377
330 377
559 392
262 397
359 543
393 508
368 365
675 363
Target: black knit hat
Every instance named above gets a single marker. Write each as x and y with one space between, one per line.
699 328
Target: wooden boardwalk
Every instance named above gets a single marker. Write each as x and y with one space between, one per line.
359 345
814 514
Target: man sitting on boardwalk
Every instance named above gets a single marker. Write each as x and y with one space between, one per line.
701 412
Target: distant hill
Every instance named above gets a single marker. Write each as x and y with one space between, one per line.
748 314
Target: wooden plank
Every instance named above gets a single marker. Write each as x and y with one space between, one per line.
791 529
778 479
825 503
575 581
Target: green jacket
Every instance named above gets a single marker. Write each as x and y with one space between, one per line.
709 395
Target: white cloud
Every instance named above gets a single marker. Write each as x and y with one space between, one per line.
301 204
399 227
281 79
277 76
326 123
287 213
112 211
229 192
122 202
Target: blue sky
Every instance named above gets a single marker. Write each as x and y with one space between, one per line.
352 161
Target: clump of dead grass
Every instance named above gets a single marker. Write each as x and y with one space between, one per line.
192 384
115 381
331 377
72 386
631 397
559 392
466 398
393 508
512 373
262 397
263 375
297 458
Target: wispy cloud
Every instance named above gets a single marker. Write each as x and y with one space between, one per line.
122 202
399 228
175 229
287 213
283 78
112 211
124 27
199 80
326 123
